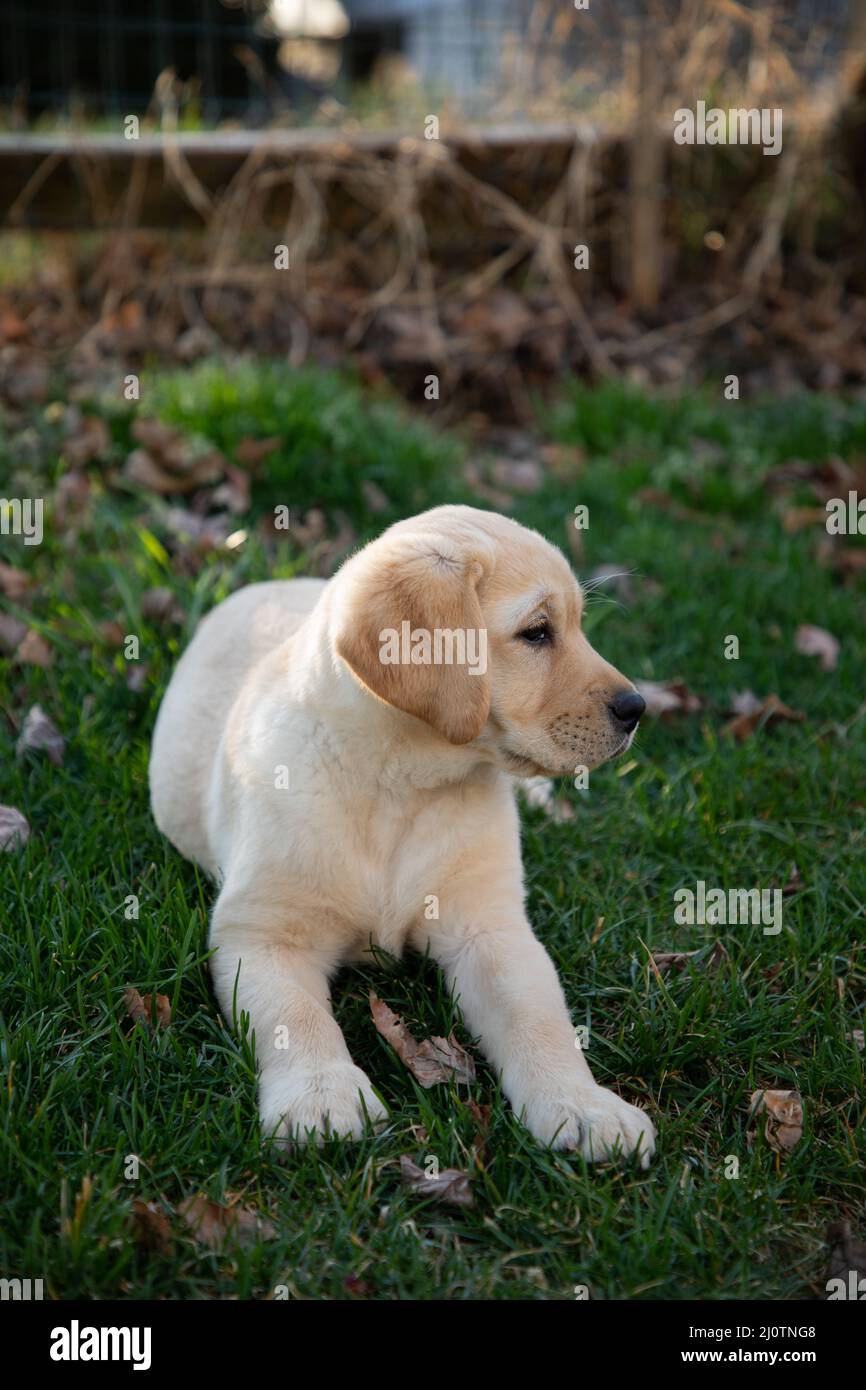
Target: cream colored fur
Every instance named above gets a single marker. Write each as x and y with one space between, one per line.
400 790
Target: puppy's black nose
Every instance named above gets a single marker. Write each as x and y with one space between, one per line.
627 708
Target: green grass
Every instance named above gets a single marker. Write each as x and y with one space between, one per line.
80 1091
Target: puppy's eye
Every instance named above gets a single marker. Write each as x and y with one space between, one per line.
537 635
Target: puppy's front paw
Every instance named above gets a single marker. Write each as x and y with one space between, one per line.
594 1121
325 1104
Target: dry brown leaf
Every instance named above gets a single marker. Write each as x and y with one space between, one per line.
170 462
40 732
517 475
497 321
14 583
846 1253
111 632
430 1062
137 673
784 1112
139 1007
213 1225
678 960
671 960
798 518
667 697
142 468
14 829
474 474
234 492
160 605
12 633
252 451
90 440
71 497
844 559
754 714
24 378
481 1115
359 1288
155 434
817 641
450 1186
150 1227
745 702
376 500
203 533
33 650
850 560
564 461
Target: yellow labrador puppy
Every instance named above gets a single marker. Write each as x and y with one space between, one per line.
341 757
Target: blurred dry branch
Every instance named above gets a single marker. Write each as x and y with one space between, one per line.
456 255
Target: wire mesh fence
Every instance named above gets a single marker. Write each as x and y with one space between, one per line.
251 61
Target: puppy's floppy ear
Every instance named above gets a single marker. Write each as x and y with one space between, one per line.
428 581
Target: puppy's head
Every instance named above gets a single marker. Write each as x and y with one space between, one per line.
472 623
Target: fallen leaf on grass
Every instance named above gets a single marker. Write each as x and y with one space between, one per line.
817 641
14 830
71 499
111 632
14 583
678 960
169 462
213 1225
450 1185
12 633
752 714
205 533
136 676
431 1061
481 1115
376 499
498 321
234 492
160 605
474 473
846 1252
798 518
664 698
33 650
252 451
90 439
40 732
784 1112
564 461
139 1008
150 1227
843 559
517 475
359 1288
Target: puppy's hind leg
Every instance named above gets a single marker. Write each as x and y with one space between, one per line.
308 1082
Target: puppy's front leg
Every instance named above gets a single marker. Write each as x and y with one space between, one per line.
512 1000
308 1081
